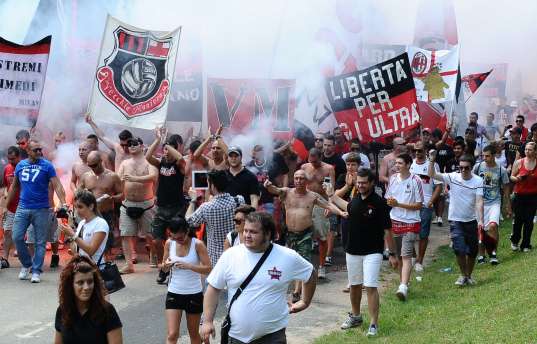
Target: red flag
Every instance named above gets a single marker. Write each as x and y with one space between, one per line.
472 82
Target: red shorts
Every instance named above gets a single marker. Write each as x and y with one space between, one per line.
403 227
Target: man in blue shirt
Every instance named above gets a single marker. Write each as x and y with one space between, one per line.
32 177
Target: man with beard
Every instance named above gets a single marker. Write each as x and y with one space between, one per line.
80 167
136 213
170 198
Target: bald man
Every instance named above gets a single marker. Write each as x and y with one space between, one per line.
387 165
80 167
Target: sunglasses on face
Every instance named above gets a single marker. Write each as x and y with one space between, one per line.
465 168
37 150
238 221
318 140
133 144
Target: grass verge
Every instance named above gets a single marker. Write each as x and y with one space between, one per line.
501 308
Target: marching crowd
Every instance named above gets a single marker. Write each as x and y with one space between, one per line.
253 227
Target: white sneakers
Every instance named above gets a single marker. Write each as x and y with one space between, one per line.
418 267
514 247
24 274
402 292
322 272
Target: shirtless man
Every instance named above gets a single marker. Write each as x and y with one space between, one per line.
120 149
136 213
387 165
104 184
106 158
80 167
317 173
218 158
299 203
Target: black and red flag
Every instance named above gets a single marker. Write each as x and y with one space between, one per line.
375 102
472 82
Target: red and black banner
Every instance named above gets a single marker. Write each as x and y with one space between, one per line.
375 102
473 81
239 105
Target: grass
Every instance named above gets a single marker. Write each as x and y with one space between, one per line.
501 308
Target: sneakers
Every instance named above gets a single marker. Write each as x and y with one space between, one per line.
322 272
493 259
481 260
352 321
526 249
418 267
402 292
35 278
161 279
54 261
24 274
372 331
4 264
328 261
470 281
439 221
514 247
461 281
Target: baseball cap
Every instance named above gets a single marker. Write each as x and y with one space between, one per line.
234 149
426 130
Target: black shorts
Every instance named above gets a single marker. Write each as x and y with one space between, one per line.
190 303
162 218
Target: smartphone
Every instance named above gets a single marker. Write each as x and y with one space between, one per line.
327 180
199 180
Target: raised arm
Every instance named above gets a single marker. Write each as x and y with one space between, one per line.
432 171
274 189
149 154
321 202
350 180
100 134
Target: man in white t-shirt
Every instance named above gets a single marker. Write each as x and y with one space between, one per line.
261 312
431 192
465 213
405 195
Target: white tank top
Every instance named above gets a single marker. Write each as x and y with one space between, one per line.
184 281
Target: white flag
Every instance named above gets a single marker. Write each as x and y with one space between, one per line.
435 73
133 78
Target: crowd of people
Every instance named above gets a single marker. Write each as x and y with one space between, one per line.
256 224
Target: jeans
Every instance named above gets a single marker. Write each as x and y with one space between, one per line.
39 218
524 207
426 215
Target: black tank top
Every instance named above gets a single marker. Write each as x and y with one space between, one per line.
170 184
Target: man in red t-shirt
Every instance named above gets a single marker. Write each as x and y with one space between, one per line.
13 156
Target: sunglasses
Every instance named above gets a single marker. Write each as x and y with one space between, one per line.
318 140
465 168
37 150
238 221
133 144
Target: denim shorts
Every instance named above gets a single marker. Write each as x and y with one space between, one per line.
426 215
464 238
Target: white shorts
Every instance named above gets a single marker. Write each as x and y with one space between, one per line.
7 221
364 269
492 214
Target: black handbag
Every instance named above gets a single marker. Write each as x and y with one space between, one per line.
226 324
111 276
136 212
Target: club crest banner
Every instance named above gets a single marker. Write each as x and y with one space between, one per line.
435 73
134 74
22 77
375 102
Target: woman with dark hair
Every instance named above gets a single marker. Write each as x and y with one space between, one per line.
187 258
91 234
83 315
235 237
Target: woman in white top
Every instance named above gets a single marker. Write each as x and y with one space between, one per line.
92 232
187 258
236 237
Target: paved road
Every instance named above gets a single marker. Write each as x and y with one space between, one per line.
27 310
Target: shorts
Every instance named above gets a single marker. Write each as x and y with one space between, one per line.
190 303
426 215
162 218
7 221
404 243
464 238
301 242
277 337
321 224
52 234
333 219
142 225
492 214
364 269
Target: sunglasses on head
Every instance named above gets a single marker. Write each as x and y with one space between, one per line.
37 150
238 221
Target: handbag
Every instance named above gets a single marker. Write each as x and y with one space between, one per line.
226 324
110 275
136 212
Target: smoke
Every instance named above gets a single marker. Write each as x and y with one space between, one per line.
276 39
259 134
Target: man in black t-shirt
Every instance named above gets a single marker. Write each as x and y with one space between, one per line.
369 218
513 147
241 181
170 198
265 169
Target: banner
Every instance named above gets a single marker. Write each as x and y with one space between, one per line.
435 73
22 76
242 104
376 102
134 74
470 83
